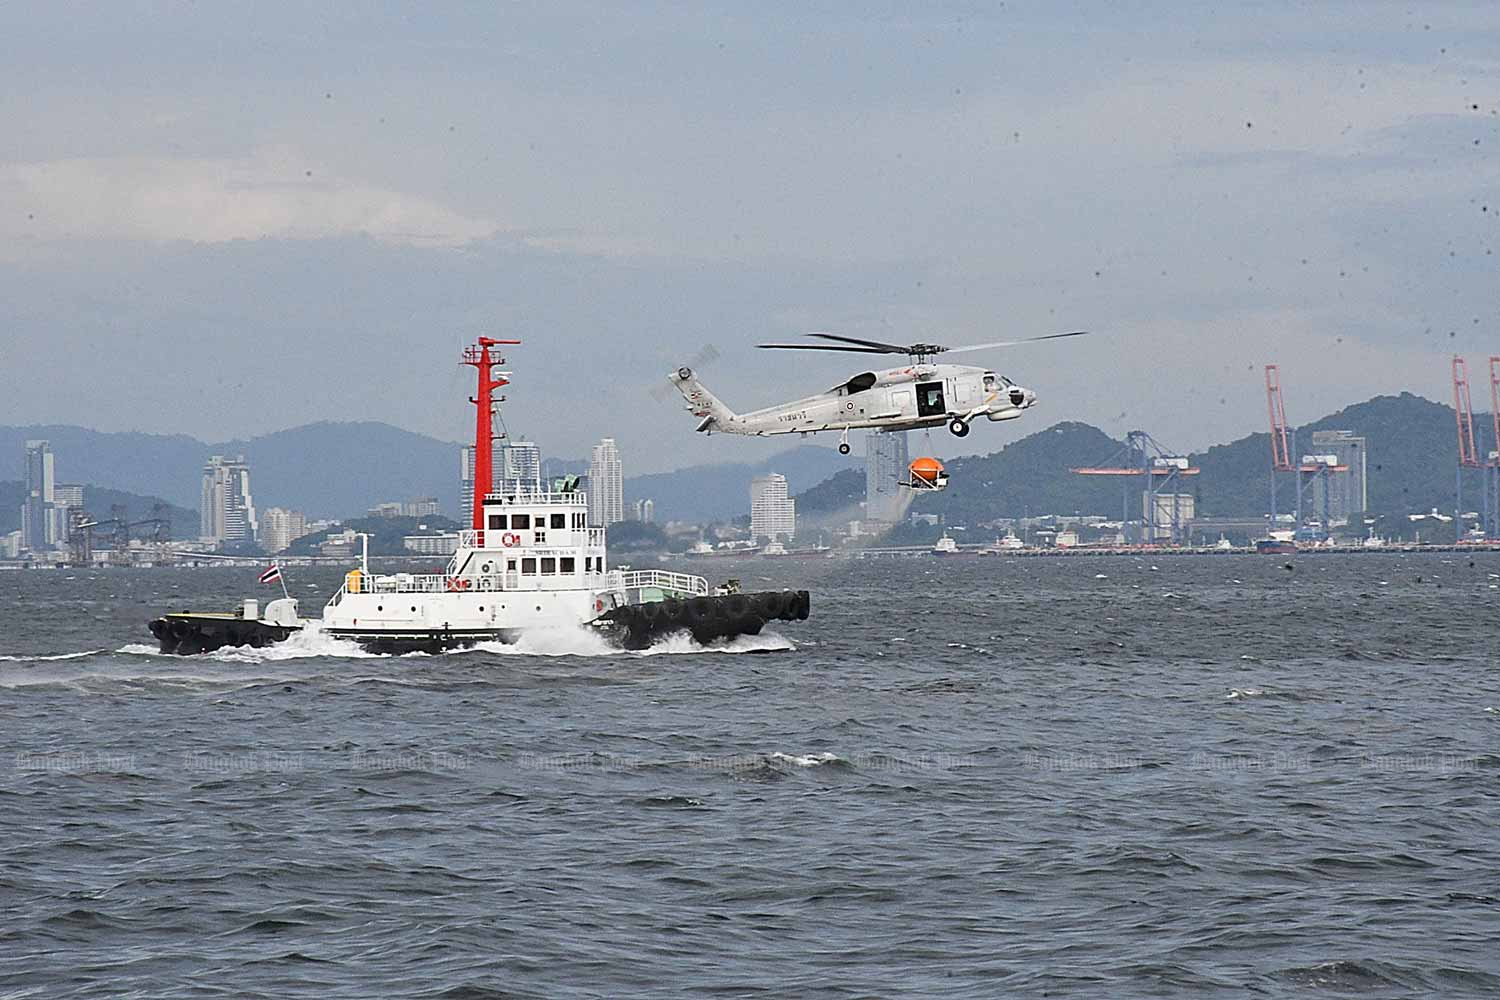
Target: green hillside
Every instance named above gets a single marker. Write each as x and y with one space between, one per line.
1410 467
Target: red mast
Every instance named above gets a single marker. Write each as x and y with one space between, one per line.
484 435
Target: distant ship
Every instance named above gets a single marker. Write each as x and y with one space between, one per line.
1000 546
1275 547
945 546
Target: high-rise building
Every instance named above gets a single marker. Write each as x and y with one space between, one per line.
644 511
1348 492
773 514
606 485
886 460
280 527
226 511
40 517
520 466
422 507
68 495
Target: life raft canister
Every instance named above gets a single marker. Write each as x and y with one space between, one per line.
352 581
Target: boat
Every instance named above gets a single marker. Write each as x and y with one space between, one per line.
774 550
945 546
531 560
1275 546
1000 546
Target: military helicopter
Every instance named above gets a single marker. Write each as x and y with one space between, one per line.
922 394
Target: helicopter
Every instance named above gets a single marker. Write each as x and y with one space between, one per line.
922 394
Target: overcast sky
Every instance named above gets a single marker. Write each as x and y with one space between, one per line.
227 219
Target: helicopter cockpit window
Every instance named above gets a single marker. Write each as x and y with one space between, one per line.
859 383
989 382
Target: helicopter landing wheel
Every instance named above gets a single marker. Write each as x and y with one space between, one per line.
844 449
958 427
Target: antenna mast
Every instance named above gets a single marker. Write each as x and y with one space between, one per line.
484 434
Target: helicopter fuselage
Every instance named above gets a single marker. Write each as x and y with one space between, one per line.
917 395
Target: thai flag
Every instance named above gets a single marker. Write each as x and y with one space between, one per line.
271 575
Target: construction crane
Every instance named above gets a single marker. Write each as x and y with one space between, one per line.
1468 455
1281 446
81 525
1159 471
1311 470
1492 493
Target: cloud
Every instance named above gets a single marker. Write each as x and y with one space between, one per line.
271 194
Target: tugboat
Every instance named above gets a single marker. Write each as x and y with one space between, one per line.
530 560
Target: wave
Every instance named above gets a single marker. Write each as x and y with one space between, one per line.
579 640
584 641
6 658
805 760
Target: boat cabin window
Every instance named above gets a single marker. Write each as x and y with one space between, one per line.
566 565
520 521
528 566
497 522
559 520
859 383
549 566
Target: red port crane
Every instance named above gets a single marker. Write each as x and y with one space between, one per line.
1492 495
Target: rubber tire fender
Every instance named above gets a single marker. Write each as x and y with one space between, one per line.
700 610
804 605
738 605
768 605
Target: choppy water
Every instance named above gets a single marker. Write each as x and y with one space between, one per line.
980 778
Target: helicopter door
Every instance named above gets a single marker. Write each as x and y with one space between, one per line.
930 399
900 402
963 393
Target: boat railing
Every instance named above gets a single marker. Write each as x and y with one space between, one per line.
680 583
544 498
506 582
469 538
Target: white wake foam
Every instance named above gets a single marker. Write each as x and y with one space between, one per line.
562 641
584 641
805 760
59 656
309 642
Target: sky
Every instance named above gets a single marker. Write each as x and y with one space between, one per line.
226 220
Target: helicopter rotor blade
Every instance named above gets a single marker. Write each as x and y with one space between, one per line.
825 347
1013 343
887 348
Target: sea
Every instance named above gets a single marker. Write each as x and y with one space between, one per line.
1132 776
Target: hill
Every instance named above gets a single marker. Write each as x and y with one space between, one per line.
1410 467
325 469
1410 462
1031 476
342 469
98 500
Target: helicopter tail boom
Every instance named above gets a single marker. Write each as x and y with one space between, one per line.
702 403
